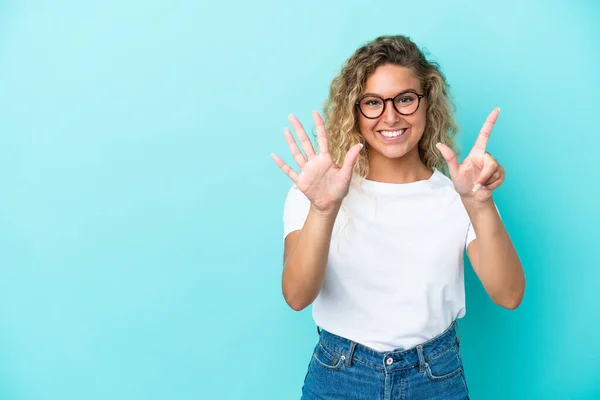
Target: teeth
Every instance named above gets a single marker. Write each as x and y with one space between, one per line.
390 134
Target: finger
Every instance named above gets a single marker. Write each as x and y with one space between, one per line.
485 132
298 156
304 140
350 160
450 158
494 185
495 176
490 166
496 180
321 133
285 168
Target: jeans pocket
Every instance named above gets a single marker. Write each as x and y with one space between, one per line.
444 365
328 359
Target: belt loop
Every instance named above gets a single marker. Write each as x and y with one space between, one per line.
350 353
422 362
457 333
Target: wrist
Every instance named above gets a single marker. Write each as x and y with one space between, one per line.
327 213
469 202
479 209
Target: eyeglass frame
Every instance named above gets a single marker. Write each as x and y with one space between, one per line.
419 97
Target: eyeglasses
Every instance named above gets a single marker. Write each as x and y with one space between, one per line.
405 103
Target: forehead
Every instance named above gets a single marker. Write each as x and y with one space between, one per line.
388 80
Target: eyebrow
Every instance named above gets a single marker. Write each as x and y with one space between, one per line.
402 92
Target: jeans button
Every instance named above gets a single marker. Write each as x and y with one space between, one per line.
389 361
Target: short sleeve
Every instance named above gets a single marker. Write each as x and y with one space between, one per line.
470 235
295 210
471 232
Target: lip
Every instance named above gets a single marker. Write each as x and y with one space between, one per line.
394 139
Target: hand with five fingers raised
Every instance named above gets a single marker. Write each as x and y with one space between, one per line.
320 179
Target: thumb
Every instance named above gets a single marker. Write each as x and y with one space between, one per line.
350 160
450 158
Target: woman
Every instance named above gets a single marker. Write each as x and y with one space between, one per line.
375 233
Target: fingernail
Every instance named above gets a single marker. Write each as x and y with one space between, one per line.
476 187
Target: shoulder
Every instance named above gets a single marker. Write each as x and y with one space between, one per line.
440 181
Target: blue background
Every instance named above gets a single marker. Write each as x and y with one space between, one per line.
140 211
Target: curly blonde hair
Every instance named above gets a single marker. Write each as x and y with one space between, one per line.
340 112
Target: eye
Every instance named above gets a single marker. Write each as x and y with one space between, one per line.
371 102
406 99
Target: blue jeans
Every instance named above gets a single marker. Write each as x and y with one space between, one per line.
343 369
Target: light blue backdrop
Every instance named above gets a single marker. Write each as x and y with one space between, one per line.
140 211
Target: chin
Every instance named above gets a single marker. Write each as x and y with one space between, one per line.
395 154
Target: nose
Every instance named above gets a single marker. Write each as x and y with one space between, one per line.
390 115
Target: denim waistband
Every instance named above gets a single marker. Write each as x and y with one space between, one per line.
351 351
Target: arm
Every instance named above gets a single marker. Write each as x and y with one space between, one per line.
492 254
305 258
494 257
325 185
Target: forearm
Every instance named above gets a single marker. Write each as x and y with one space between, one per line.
499 267
304 269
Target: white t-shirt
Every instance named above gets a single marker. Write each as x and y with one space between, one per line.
395 273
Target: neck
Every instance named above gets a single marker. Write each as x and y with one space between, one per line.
406 169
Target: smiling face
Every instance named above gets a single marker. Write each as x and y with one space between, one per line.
393 135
